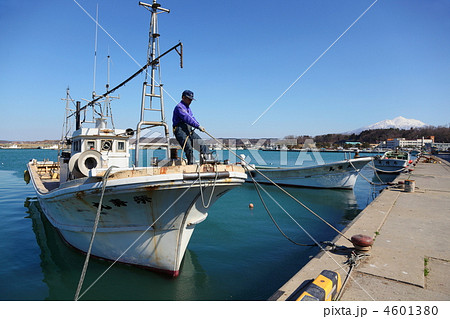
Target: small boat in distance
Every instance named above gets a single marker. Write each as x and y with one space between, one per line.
340 175
392 162
145 215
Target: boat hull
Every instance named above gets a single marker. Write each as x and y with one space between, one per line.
339 175
146 221
392 162
390 166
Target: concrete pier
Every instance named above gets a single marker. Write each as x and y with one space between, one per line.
410 257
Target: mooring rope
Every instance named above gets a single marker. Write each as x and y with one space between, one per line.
140 236
353 261
256 184
282 189
94 231
383 171
213 187
360 174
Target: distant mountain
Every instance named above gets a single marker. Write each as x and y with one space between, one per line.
399 122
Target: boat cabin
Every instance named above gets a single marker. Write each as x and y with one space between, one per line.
95 148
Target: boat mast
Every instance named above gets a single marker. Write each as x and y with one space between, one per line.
149 90
66 125
105 111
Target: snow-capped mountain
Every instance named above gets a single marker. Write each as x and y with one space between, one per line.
399 122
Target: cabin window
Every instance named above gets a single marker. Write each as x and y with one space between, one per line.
76 146
107 145
120 146
90 145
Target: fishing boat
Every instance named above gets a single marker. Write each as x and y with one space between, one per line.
392 162
124 212
340 174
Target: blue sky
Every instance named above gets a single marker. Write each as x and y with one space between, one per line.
239 56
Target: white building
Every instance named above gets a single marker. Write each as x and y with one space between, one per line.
404 143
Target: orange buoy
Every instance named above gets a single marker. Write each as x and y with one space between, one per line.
250 205
362 242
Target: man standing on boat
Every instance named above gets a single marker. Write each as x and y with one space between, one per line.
184 123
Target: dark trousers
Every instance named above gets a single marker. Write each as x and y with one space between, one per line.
186 136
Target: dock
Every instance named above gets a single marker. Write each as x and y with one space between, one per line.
410 257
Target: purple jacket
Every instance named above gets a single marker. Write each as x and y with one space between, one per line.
183 114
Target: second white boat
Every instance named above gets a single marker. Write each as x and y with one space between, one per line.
341 174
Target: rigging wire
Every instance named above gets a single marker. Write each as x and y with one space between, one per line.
121 47
312 64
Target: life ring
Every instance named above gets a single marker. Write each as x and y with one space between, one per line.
88 160
73 166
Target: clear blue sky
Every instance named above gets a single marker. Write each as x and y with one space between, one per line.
239 57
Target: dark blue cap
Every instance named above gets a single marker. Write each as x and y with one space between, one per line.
188 94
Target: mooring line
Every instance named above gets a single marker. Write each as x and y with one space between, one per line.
365 178
282 189
94 231
256 184
353 255
349 276
134 242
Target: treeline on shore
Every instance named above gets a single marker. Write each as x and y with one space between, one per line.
441 135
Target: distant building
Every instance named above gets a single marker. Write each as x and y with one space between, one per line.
394 143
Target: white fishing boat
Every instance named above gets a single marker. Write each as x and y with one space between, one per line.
392 162
341 174
146 215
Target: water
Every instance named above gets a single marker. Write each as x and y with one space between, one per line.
236 254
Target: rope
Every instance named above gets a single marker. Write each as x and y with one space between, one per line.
360 174
94 231
184 144
375 171
271 217
353 260
283 190
382 171
134 242
213 188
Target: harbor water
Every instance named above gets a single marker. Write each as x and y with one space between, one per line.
237 253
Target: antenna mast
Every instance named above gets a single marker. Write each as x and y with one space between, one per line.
149 90
95 52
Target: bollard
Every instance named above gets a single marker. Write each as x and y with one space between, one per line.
410 185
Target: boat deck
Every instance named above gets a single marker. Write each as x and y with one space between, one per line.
46 175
